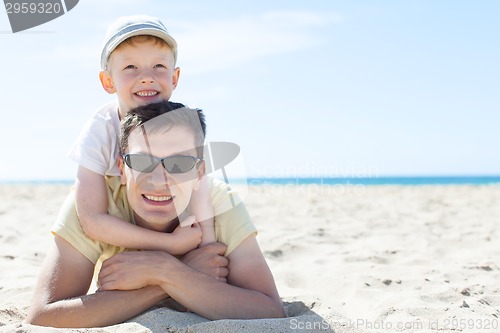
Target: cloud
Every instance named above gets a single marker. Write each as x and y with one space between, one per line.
206 46
210 45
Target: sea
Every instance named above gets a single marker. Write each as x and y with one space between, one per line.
414 180
400 180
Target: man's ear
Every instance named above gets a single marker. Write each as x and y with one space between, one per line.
107 82
175 77
121 165
201 173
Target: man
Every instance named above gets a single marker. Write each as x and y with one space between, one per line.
160 168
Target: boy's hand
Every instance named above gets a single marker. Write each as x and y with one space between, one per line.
187 236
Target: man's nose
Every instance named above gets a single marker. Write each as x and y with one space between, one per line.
159 176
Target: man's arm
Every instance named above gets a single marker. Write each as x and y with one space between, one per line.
60 298
249 293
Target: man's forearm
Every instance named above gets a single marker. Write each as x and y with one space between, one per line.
99 309
220 300
194 283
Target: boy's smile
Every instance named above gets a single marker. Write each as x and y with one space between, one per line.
147 93
140 72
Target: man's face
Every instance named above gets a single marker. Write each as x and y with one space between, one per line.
141 73
157 198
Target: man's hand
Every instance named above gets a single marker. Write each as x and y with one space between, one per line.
209 260
138 269
132 270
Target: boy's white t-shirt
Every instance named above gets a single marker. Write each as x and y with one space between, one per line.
96 148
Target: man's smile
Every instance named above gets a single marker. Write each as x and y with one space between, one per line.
158 200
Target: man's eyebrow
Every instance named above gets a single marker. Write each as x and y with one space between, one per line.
187 152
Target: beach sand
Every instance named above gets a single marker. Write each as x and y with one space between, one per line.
345 258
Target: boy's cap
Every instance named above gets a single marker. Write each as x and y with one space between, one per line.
128 26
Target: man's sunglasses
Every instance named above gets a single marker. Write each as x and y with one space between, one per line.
175 164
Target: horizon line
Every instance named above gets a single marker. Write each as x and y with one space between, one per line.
289 178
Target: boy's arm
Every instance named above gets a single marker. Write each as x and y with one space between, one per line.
60 298
92 206
202 208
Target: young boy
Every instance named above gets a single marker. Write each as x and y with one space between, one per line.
138 64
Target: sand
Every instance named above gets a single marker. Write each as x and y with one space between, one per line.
345 258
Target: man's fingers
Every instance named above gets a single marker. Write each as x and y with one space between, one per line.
106 268
108 285
224 262
223 273
103 283
217 248
102 274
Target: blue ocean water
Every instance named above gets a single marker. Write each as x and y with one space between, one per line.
427 180
415 180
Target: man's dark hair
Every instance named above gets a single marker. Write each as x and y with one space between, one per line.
192 119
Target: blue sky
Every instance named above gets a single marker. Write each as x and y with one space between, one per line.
316 88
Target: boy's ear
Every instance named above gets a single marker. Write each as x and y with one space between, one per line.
121 165
175 77
106 82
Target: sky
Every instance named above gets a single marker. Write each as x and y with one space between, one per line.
305 88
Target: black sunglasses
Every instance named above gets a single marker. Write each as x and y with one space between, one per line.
175 164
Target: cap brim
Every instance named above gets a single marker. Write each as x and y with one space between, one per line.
113 44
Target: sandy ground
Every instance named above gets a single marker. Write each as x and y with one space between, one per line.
345 258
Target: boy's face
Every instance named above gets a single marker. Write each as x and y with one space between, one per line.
158 197
140 73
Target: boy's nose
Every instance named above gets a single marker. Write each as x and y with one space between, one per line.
147 77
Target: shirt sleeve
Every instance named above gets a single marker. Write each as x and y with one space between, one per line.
68 225
232 221
96 148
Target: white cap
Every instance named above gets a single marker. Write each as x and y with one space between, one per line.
127 26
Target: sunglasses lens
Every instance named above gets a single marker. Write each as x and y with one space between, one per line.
179 164
141 163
